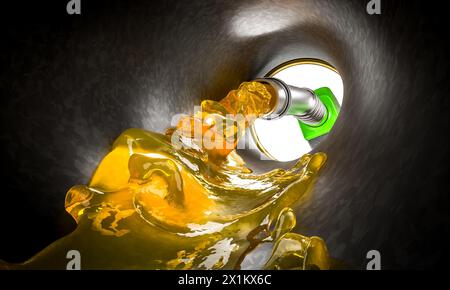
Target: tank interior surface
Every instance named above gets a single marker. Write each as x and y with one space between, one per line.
71 84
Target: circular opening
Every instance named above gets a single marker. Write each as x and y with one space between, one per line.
283 139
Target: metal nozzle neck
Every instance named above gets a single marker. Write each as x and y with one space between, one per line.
301 103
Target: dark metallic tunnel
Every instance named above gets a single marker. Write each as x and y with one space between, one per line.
71 84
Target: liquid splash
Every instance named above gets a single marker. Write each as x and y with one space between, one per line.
151 205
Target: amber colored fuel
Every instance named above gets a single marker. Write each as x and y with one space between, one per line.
152 204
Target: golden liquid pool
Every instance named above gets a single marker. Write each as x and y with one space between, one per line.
151 205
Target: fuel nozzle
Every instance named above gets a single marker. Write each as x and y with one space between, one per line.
301 103
315 110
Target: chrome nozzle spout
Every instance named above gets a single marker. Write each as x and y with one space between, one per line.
301 103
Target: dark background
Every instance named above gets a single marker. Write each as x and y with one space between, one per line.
70 84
